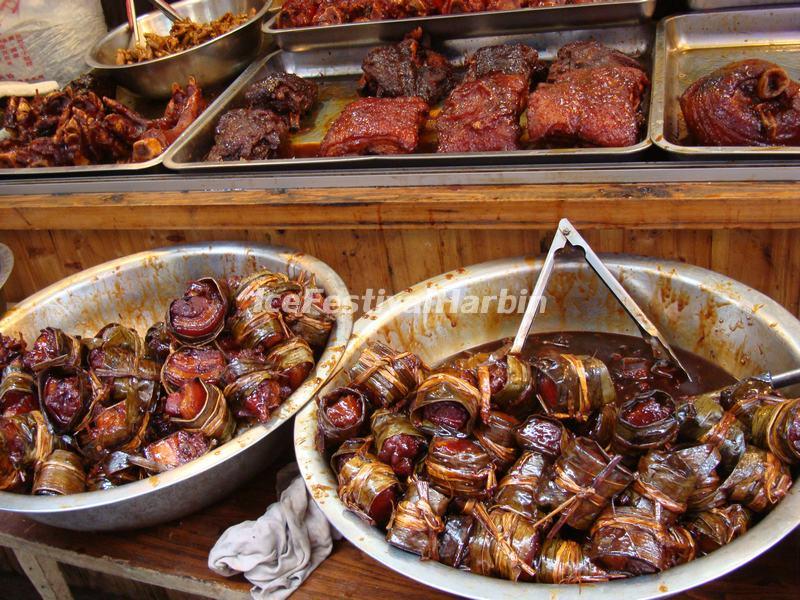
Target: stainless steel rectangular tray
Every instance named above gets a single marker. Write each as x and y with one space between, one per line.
691 46
148 108
463 25
338 70
718 4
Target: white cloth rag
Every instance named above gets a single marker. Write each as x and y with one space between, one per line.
278 551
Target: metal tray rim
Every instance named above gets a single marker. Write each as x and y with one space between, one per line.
325 367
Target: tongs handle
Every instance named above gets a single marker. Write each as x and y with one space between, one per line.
168 11
133 22
568 234
782 380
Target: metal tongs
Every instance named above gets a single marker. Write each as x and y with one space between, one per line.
567 234
168 11
137 40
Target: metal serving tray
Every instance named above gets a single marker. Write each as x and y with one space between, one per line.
463 25
135 290
337 70
689 47
722 320
146 107
717 4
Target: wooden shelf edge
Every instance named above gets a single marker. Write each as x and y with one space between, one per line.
767 205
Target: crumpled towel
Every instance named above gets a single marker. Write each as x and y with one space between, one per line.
278 551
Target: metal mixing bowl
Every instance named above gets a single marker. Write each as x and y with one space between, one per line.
6 266
136 290
214 62
722 320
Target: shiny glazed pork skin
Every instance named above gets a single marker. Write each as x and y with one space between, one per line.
376 126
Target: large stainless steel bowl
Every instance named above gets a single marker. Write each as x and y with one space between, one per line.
6 266
718 318
214 62
136 291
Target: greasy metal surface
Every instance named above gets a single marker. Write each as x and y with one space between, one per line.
717 4
692 46
340 68
136 290
214 62
720 319
6 266
462 25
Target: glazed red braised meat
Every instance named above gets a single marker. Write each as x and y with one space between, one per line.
248 134
483 115
511 59
376 126
590 99
75 126
284 93
93 413
748 103
406 69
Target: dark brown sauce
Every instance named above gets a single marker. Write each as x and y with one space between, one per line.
629 359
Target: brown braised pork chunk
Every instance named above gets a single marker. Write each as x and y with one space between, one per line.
376 126
586 55
593 97
511 59
307 13
406 69
284 93
248 134
75 126
747 103
483 115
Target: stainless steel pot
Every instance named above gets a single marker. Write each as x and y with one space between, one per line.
6 266
136 290
214 62
720 319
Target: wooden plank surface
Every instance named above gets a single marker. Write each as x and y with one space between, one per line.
756 205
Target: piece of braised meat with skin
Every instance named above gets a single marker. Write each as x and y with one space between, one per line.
406 69
376 126
483 115
511 59
248 134
284 93
747 103
588 55
588 107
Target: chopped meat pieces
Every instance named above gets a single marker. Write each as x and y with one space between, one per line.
595 107
284 93
376 126
406 69
747 103
512 59
249 134
483 115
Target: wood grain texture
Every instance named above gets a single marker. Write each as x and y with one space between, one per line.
754 205
768 260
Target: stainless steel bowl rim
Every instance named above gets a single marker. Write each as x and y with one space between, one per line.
325 367
96 64
6 265
322 485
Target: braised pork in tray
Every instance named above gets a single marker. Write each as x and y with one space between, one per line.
412 99
747 103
